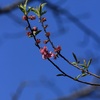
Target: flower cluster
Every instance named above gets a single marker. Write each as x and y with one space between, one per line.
45 53
35 30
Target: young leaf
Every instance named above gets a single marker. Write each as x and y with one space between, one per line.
84 62
42 5
84 66
25 4
43 13
40 9
29 9
21 8
34 10
75 57
36 32
89 62
84 74
74 63
60 75
78 77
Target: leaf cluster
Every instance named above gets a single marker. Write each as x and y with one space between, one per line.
85 65
38 10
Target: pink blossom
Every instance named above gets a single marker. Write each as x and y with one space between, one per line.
45 53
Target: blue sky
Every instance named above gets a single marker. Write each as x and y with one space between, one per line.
21 60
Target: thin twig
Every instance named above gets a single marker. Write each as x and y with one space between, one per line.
76 66
32 32
64 74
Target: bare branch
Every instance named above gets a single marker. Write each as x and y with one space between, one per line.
86 91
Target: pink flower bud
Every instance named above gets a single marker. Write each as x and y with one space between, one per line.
28 33
34 28
45 26
24 17
45 41
32 17
38 41
58 49
47 34
43 19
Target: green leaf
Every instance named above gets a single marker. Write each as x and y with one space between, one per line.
21 8
84 62
84 66
25 7
78 77
89 62
34 10
25 4
42 5
43 13
29 9
36 32
75 57
74 63
40 10
60 75
84 74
